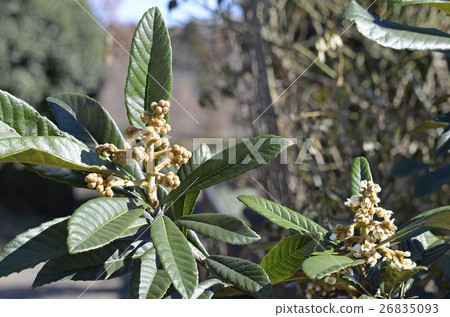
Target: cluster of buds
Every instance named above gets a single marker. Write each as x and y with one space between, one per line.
107 150
153 147
102 183
156 118
372 232
168 180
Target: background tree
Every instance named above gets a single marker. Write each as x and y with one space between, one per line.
47 48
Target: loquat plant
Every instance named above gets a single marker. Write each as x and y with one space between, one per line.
143 224
370 258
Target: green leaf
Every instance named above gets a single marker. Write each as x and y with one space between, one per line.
199 156
225 228
430 124
7 132
360 171
176 255
435 218
395 277
192 237
232 162
150 70
443 143
395 35
443 5
204 290
147 281
432 181
100 221
34 246
434 253
408 167
24 119
85 119
425 248
112 260
287 256
243 274
184 205
139 225
280 215
320 266
53 151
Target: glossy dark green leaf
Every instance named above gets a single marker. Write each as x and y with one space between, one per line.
395 35
280 215
150 70
432 181
192 237
433 254
408 167
54 151
100 221
232 162
395 277
140 224
287 257
204 290
24 119
147 280
113 260
425 248
320 266
176 256
185 204
360 171
435 218
225 228
241 273
85 119
34 246
443 5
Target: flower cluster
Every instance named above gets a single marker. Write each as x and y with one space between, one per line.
153 146
375 225
102 183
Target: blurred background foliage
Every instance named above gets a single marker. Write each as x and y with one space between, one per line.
278 67
46 49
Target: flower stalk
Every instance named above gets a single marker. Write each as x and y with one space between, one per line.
145 142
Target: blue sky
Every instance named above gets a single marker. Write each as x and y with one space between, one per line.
130 11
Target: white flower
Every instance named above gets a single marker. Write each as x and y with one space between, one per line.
376 188
388 214
367 246
357 250
333 237
363 184
371 261
408 264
